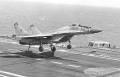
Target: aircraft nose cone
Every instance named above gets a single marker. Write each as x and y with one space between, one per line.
96 31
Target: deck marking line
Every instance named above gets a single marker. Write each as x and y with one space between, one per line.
38 59
56 62
116 59
91 55
74 66
3 75
62 50
99 56
13 74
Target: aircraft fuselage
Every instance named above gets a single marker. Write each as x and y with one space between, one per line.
62 37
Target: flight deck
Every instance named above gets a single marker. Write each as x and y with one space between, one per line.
76 62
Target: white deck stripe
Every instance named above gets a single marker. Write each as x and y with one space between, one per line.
3 75
38 59
74 66
93 55
56 62
12 74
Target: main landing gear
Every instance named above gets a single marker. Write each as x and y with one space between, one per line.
69 46
52 47
49 53
41 49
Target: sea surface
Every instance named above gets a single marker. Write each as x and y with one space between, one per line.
49 17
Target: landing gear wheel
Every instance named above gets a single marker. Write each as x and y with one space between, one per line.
53 48
41 49
69 46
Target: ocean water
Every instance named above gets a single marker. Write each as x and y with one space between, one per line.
48 17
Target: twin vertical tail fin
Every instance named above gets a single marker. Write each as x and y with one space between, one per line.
19 31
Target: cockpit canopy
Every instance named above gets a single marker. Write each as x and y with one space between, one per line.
84 26
80 27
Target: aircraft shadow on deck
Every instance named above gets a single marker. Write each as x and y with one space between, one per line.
26 53
29 54
11 56
46 55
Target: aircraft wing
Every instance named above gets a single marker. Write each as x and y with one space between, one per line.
40 35
37 36
50 34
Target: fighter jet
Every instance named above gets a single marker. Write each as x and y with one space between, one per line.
63 34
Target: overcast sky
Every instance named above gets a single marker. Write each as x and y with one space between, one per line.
103 3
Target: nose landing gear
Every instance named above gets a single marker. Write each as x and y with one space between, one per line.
69 46
53 48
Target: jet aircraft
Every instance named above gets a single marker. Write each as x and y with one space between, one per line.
63 34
